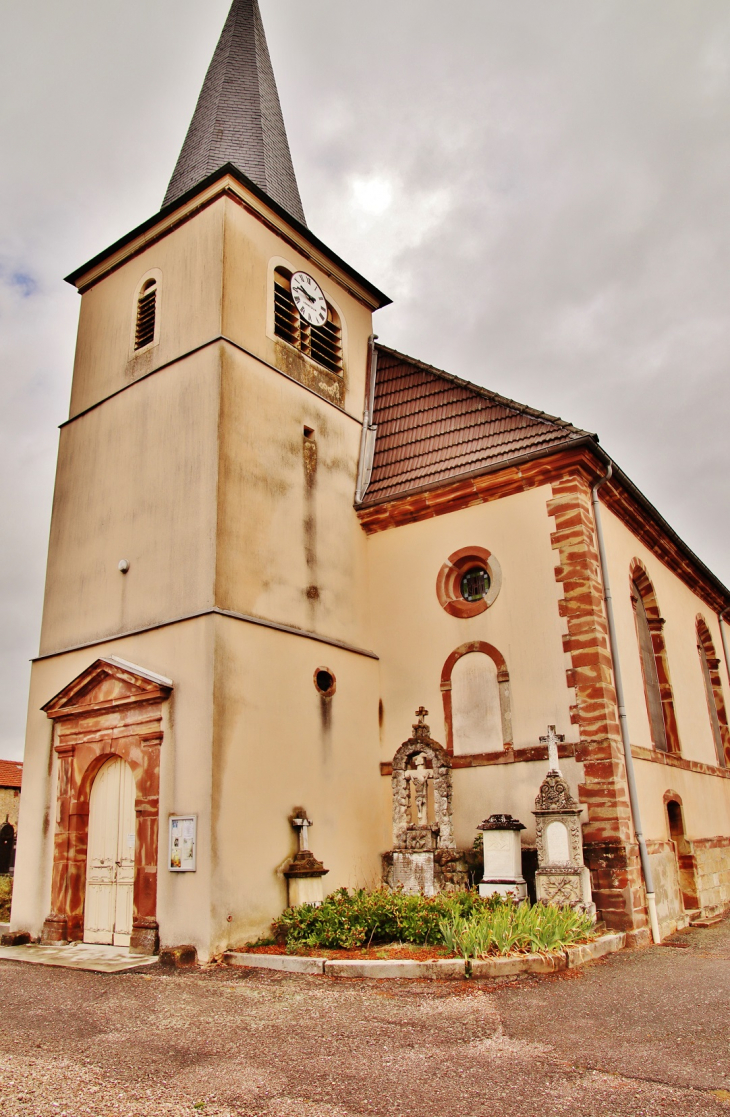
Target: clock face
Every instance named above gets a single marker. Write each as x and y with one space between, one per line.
308 298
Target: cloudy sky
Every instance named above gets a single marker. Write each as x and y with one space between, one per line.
543 188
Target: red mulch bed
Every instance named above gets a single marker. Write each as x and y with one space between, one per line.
389 950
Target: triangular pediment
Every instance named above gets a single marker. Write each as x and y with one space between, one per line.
104 684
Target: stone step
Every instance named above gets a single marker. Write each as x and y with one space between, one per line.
705 921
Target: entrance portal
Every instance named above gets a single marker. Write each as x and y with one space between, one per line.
107 739
110 858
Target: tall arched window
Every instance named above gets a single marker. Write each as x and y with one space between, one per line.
475 687
654 665
713 690
146 320
322 344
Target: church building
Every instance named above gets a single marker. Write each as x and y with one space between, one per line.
274 538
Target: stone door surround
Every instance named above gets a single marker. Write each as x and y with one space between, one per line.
111 709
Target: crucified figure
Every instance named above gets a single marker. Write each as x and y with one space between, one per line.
418 779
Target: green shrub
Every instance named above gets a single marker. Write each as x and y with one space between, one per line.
462 921
360 918
6 895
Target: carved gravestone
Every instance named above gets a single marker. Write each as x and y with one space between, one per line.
562 876
424 857
502 857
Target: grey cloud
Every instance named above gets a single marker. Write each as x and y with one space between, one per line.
559 227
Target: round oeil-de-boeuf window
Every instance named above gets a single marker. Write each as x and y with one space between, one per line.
475 584
325 682
469 582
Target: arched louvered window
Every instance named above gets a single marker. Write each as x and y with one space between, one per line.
710 665
654 664
144 332
322 344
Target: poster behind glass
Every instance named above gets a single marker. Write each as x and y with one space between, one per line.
183 843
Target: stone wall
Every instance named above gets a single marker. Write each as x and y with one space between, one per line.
712 857
669 906
9 805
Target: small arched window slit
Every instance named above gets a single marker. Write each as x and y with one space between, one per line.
144 333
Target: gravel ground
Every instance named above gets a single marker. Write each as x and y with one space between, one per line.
639 1034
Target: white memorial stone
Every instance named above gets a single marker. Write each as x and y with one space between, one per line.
502 857
558 845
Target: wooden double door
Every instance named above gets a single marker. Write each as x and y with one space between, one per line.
110 861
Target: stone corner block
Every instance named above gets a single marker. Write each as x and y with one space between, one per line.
286 963
15 938
178 957
641 936
398 968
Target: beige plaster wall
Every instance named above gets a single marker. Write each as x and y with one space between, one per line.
414 635
190 261
136 480
503 789
679 606
252 251
184 653
705 800
290 546
279 745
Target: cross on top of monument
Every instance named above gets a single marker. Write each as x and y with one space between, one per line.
420 728
552 740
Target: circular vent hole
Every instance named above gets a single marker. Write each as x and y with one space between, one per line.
324 681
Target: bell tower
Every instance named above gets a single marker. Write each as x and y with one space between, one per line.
203 528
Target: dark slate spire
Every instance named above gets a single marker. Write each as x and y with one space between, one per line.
238 117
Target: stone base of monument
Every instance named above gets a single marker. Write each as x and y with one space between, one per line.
426 871
516 889
565 885
502 858
305 879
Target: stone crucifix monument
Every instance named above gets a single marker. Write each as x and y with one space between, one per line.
304 872
562 876
424 857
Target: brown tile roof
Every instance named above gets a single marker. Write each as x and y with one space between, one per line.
432 426
11 773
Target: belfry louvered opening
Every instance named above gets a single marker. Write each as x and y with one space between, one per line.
144 333
322 343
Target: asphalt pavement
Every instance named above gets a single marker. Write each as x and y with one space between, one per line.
641 1033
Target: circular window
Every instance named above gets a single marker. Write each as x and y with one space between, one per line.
325 682
469 582
475 584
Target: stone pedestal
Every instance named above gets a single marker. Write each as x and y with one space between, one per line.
304 872
562 876
502 857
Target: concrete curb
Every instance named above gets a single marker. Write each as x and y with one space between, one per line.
590 951
440 968
526 963
289 963
435 970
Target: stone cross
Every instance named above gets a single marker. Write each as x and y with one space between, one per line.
552 740
420 729
302 824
